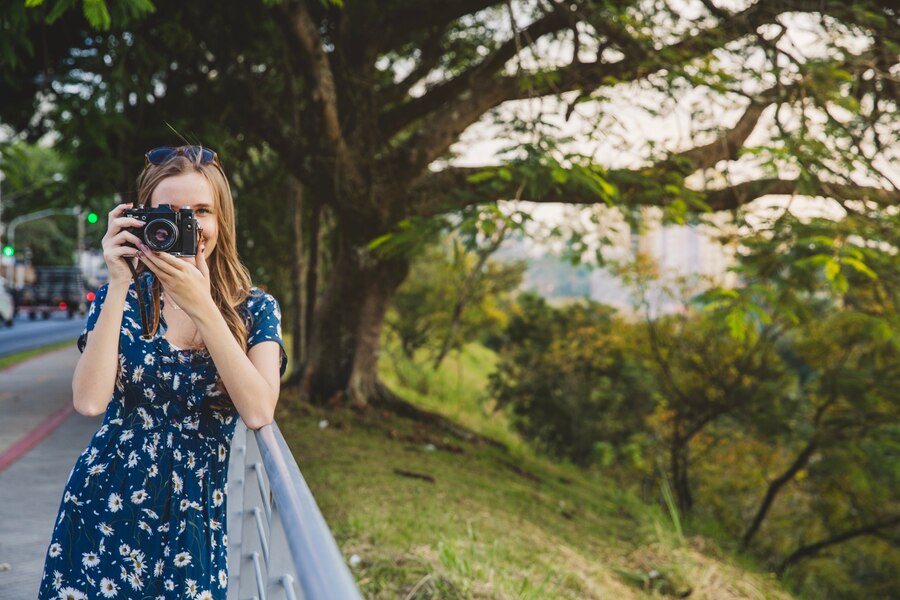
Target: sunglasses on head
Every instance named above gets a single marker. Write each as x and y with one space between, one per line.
197 154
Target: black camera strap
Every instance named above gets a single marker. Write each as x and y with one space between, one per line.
145 321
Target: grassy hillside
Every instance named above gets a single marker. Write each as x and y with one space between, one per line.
480 521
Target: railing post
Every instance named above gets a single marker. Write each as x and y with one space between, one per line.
279 546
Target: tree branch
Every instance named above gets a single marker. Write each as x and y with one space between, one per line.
400 116
450 189
812 549
425 14
455 107
430 56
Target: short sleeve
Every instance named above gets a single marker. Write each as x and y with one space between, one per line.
266 322
93 315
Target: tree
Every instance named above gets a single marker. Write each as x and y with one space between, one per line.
361 100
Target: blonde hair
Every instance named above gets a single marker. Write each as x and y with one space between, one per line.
229 279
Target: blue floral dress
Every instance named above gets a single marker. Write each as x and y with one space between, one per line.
143 513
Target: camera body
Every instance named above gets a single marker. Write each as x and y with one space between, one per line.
166 230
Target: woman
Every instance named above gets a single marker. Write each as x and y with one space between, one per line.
143 514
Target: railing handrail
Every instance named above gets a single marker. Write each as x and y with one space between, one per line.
320 566
287 520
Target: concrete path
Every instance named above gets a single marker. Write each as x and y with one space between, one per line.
33 390
31 487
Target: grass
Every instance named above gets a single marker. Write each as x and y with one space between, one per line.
495 522
12 359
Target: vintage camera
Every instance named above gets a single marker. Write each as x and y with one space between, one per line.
166 230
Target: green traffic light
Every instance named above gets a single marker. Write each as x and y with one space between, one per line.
92 218
8 251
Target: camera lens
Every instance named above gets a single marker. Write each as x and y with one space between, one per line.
160 235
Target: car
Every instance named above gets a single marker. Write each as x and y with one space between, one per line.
7 304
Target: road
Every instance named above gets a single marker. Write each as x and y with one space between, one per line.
31 488
26 334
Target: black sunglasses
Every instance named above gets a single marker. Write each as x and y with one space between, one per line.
201 154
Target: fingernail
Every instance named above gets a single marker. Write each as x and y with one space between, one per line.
144 248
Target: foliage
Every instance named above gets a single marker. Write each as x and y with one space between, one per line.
423 307
571 382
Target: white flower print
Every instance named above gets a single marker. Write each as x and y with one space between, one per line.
169 585
125 550
145 416
132 458
148 359
93 455
192 460
222 453
150 513
126 435
115 502
138 374
143 525
108 588
177 484
57 580
214 524
217 497
158 569
139 496
183 559
123 574
55 550
190 588
205 595
101 547
185 504
97 469
137 562
105 529
70 593
223 578
176 454
90 559
149 394
135 580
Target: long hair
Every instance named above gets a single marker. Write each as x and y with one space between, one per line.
229 279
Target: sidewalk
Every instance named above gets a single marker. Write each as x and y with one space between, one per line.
32 393
30 492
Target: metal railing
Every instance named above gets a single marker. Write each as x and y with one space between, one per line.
279 546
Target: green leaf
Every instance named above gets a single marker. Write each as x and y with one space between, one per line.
832 269
481 176
859 266
96 13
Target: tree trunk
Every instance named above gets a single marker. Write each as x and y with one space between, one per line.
680 479
346 336
299 271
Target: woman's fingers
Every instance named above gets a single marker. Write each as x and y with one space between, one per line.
125 236
123 222
157 263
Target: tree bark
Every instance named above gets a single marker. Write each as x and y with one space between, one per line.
299 271
345 340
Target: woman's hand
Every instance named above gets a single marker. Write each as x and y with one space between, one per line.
184 280
114 248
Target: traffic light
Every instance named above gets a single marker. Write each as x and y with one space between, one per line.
8 251
92 217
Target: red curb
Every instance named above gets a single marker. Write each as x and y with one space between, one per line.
34 437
